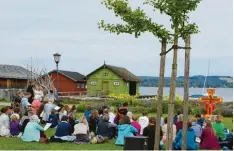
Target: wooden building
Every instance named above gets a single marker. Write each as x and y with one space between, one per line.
69 82
12 76
109 79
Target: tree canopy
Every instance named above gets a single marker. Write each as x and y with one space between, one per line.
136 21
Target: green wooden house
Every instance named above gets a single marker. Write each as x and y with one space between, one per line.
109 79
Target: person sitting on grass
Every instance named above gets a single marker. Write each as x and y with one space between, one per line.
81 131
149 132
111 114
63 130
17 99
136 124
16 113
54 119
219 128
105 128
179 124
208 138
87 112
24 120
200 120
14 126
72 112
24 105
63 112
93 121
191 139
48 108
124 129
196 127
143 121
35 106
33 131
4 122
164 131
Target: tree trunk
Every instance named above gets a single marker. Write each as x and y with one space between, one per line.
186 92
172 95
160 95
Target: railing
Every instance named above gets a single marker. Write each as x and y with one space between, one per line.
96 93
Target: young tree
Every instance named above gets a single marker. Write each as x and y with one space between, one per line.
137 22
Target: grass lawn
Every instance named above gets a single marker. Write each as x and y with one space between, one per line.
18 144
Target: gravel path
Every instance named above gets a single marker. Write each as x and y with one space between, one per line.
5 104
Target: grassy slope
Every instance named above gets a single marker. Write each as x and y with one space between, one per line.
17 144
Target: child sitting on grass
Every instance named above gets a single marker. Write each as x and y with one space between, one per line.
124 128
54 119
14 126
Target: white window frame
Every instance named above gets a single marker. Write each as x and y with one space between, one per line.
82 85
127 84
93 83
116 83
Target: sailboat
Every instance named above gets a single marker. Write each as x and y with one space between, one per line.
195 97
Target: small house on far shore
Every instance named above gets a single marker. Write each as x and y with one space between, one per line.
12 76
109 79
69 81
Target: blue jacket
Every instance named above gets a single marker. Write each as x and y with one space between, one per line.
200 121
54 119
32 132
191 140
197 129
87 114
124 130
63 129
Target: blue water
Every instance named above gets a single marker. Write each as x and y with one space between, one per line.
226 93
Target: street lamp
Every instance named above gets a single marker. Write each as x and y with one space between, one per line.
57 60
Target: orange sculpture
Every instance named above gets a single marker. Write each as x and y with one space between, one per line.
210 102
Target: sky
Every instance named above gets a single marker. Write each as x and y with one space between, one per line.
40 28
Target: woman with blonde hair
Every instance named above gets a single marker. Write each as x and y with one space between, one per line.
111 114
81 131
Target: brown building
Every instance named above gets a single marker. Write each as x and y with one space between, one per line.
12 76
69 81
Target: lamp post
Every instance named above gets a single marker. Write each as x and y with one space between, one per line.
57 60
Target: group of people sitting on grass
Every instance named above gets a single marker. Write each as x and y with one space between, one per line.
24 120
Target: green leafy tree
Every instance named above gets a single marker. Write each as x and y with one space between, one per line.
137 22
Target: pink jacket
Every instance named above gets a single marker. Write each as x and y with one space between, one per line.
137 126
35 106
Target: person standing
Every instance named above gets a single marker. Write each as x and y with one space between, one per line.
30 90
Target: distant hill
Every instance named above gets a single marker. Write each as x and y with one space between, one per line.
194 81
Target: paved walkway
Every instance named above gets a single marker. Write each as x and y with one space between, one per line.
5 103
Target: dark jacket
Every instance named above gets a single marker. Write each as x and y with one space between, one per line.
30 90
149 132
104 129
24 125
54 119
63 129
93 122
200 121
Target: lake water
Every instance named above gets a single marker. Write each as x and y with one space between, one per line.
226 93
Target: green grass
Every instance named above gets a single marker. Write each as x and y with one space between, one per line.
18 144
